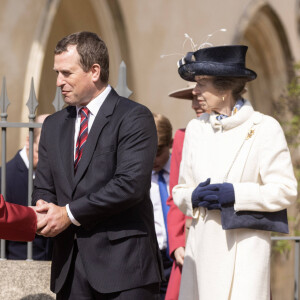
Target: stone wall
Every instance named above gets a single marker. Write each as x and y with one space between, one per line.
25 280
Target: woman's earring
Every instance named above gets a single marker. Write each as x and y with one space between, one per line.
223 98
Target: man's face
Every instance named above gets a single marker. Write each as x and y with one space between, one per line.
76 85
35 149
36 152
162 156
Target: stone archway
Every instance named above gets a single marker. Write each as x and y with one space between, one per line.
62 17
269 55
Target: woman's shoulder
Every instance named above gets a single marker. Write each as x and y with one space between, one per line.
267 120
179 138
179 133
270 125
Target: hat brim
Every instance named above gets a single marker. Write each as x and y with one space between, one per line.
185 93
190 70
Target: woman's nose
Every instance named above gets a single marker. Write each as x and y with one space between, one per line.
195 103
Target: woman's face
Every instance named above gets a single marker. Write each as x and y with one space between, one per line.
197 107
208 97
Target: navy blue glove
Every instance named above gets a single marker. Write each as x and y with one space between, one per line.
223 193
195 195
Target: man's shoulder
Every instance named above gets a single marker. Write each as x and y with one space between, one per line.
61 115
16 162
128 105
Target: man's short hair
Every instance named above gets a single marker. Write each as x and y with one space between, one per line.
164 130
91 49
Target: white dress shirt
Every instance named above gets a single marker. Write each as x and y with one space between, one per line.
160 228
93 107
25 159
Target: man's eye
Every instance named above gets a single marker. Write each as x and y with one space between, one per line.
66 74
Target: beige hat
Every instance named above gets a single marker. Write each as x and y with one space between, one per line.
185 93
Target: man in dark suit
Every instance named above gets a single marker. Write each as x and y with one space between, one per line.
95 162
17 191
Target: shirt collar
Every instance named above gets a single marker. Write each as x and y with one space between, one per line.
95 104
166 167
24 157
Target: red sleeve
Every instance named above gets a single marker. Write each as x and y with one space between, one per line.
17 222
176 219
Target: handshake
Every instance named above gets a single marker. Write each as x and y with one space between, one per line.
51 219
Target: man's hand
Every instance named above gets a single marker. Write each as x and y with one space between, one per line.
40 202
56 219
41 218
179 255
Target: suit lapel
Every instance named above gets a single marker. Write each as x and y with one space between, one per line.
100 121
66 141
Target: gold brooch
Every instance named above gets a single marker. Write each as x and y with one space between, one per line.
250 133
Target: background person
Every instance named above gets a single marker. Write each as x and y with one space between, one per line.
159 192
17 191
230 157
178 223
94 169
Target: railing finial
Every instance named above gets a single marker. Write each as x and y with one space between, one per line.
4 101
32 103
122 88
58 101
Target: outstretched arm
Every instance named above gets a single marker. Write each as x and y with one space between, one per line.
18 223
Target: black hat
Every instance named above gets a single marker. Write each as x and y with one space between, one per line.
216 61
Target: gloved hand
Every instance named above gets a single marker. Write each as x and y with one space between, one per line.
222 193
195 195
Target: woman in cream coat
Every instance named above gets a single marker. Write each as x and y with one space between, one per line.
231 156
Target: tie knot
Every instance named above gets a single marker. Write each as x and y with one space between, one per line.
161 172
84 111
161 175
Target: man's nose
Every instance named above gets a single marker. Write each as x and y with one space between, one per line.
59 80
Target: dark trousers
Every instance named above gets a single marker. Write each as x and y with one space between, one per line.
167 264
77 287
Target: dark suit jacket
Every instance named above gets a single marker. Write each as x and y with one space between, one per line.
16 222
17 192
108 196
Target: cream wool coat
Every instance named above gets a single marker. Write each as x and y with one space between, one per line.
232 264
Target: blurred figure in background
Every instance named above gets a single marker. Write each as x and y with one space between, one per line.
159 192
178 223
17 191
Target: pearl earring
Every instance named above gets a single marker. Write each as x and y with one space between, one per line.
223 98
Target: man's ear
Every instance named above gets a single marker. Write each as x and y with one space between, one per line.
96 70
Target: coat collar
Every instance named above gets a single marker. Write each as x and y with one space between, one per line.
233 121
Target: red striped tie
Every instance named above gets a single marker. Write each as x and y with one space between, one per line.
82 136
